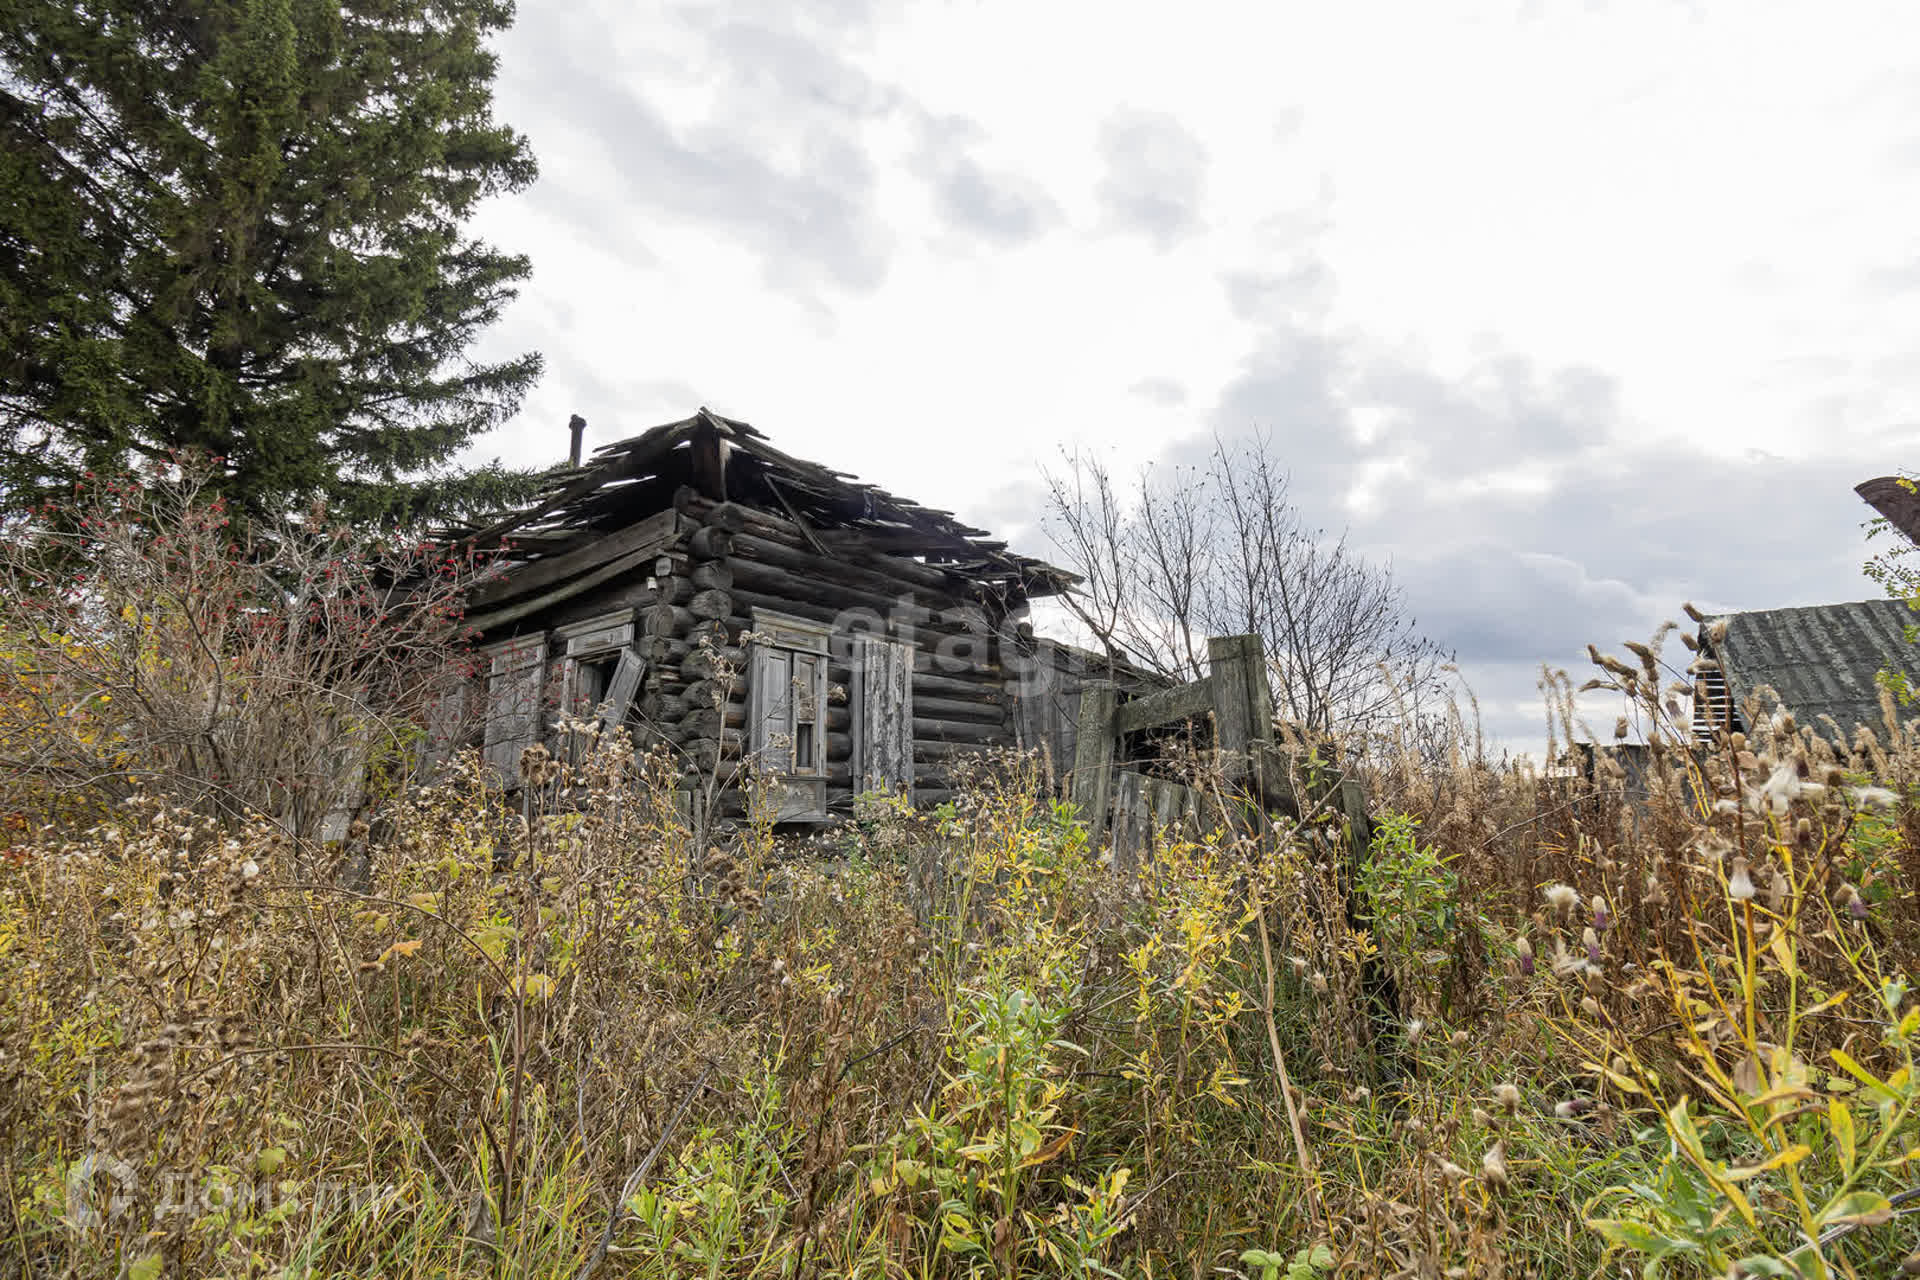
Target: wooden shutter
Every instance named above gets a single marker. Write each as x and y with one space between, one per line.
770 708
447 725
514 688
883 713
620 691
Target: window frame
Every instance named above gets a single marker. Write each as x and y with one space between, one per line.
787 666
592 642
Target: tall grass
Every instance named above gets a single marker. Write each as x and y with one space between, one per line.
1530 1027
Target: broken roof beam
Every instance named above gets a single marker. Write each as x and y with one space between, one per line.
548 570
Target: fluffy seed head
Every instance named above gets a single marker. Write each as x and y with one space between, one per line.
1494 1165
1740 884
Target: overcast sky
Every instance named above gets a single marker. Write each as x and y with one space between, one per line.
1573 311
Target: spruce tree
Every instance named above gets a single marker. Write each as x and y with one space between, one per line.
235 228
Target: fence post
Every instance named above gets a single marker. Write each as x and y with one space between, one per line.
1243 707
1093 755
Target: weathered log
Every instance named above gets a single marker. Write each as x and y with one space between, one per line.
926 749
711 605
707 754
710 544
672 589
706 722
975 661
846 588
985 689
767 526
728 516
927 634
960 731
713 575
662 650
664 707
719 632
799 608
674 562
701 693
706 664
732 743
959 709
667 620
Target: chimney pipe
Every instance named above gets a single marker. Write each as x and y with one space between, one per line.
578 426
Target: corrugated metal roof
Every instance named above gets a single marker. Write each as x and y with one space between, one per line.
1820 661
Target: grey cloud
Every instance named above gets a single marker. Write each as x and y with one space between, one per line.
1488 602
779 61
1165 392
1154 175
780 161
1271 298
1004 209
1511 576
1502 412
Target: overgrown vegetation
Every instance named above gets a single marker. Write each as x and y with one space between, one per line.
1525 1025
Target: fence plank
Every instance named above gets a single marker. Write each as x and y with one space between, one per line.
1093 756
1180 703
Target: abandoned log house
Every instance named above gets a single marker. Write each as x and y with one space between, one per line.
730 602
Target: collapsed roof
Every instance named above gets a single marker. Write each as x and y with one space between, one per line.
724 459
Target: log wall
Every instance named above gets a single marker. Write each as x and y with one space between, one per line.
694 603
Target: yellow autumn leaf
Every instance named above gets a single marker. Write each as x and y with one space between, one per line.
1783 952
1858 1072
1840 1121
1780 1160
406 948
534 986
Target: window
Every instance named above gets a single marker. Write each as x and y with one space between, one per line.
516 679
787 711
600 674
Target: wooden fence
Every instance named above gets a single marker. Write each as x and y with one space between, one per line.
1130 805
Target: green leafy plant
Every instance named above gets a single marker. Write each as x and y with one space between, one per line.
1305 1264
1409 897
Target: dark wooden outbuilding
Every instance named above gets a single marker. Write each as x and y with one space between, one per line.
731 602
